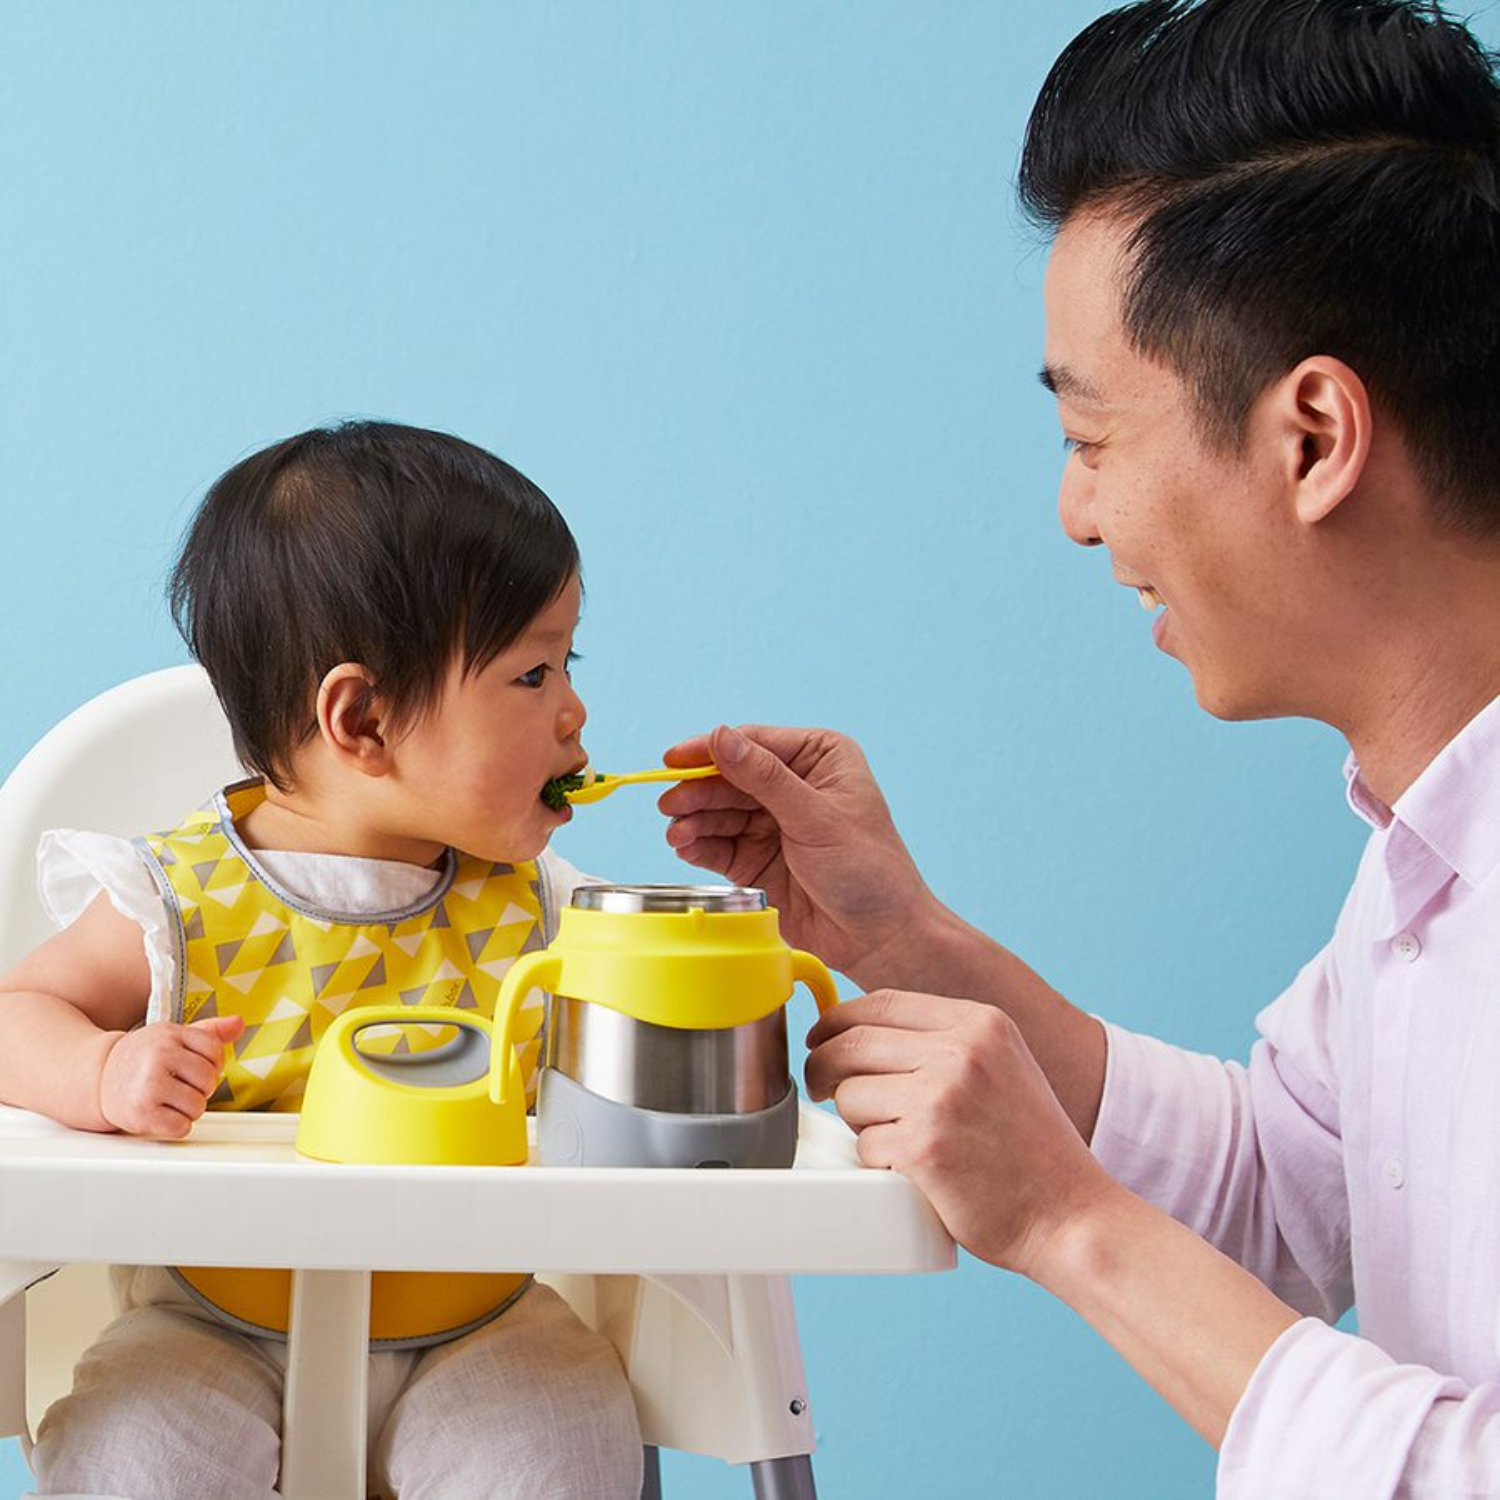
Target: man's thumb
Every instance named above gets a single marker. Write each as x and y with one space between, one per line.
754 769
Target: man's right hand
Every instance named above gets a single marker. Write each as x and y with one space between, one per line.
797 813
157 1079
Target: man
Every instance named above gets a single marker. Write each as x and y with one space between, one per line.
1273 331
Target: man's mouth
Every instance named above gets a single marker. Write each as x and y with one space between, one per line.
1148 596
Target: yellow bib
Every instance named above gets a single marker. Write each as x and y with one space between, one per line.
244 946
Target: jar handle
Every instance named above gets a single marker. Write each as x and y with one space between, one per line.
814 974
529 971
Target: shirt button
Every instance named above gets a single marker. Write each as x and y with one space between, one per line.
1405 945
1393 1172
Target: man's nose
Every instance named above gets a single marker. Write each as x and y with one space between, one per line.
1075 505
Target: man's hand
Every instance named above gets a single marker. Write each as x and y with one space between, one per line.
797 813
947 1093
157 1079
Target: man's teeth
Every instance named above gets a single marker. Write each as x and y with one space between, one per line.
1149 598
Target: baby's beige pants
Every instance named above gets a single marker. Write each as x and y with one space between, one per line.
170 1404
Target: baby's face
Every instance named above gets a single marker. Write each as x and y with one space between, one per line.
472 770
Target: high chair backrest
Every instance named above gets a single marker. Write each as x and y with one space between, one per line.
134 759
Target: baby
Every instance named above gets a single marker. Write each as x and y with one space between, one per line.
387 617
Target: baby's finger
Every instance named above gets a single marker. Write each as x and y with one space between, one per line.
199 1073
208 1038
168 1123
226 1028
155 1111
174 1094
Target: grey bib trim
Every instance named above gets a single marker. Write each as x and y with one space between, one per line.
416 1341
306 908
179 931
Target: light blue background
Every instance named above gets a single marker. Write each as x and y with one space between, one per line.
743 288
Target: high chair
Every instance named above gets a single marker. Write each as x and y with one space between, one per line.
713 1359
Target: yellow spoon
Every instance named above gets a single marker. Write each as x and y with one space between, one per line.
598 790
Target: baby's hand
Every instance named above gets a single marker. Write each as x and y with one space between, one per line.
157 1079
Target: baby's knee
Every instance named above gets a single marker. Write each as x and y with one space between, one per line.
534 1405
131 1445
163 1418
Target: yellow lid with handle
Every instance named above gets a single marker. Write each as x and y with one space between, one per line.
368 1103
690 969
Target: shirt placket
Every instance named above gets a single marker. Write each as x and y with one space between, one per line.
1397 963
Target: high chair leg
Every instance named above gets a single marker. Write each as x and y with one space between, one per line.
325 1427
15 1277
784 1478
13 1366
651 1473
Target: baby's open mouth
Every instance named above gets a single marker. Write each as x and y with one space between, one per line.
555 792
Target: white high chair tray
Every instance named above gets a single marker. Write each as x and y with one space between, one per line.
235 1192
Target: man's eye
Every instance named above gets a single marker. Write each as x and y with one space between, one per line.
1085 451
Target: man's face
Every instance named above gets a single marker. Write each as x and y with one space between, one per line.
1205 536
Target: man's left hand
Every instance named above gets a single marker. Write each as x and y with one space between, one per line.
947 1093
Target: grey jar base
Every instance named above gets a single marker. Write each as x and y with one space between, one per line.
578 1128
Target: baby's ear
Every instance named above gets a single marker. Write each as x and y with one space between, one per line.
352 719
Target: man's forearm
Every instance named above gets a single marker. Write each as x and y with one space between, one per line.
1192 1323
944 955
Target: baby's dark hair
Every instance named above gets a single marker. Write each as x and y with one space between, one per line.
367 542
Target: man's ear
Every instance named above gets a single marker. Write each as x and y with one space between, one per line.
353 719
1325 411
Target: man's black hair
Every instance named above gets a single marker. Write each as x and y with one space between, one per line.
1301 177
369 542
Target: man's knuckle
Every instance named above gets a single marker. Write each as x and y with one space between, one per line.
923 1151
857 1042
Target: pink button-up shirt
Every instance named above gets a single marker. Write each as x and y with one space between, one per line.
1357 1160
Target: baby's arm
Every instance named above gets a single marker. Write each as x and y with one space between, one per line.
67 1047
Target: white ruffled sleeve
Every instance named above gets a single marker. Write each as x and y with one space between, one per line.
73 867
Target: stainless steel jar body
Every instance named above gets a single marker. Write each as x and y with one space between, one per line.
732 1070
703 1071
616 1091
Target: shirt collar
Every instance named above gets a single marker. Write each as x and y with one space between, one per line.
1453 807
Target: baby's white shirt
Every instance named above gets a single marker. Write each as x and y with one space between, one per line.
73 867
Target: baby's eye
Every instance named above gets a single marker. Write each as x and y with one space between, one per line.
574 657
535 677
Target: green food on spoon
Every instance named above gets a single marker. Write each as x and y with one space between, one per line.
555 793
